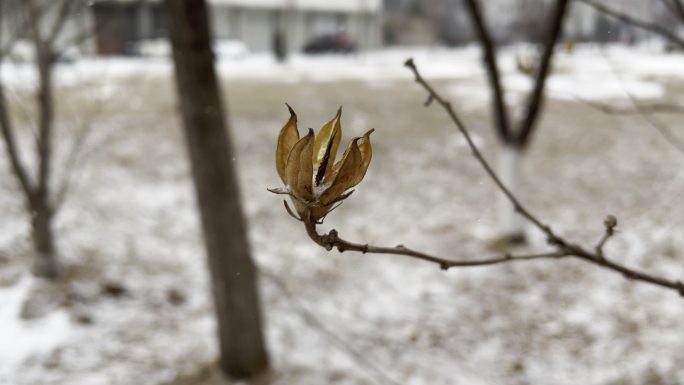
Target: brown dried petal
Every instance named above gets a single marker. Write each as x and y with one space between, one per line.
366 155
347 174
326 144
289 135
299 169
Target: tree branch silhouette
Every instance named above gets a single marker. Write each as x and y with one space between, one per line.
652 27
563 248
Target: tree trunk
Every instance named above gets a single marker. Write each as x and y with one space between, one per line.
510 170
243 352
42 211
45 261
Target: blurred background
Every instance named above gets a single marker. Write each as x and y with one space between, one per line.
104 279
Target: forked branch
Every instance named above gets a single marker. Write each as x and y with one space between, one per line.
562 247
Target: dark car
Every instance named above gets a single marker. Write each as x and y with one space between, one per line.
330 43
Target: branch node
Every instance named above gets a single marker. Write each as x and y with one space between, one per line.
429 100
610 223
444 266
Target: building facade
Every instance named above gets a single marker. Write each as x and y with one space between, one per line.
122 24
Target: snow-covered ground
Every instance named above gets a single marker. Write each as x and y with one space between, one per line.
134 306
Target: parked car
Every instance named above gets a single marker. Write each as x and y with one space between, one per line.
330 43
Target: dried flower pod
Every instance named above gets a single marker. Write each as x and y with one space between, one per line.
307 166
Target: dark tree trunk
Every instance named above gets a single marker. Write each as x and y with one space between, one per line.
42 211
243 352
45 262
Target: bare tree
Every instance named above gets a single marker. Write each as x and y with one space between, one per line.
515 136
646 111
234 283
315 186
676 8
44 23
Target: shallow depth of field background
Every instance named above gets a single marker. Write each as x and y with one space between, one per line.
130 224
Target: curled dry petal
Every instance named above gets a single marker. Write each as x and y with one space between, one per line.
346 175
289 135
325 146
299 168
366 155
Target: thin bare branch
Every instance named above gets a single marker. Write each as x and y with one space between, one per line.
564 249
7 129
446 105
562 245
8 135
645 114
649 108
609 224
332 240
500 111
652 27
536 99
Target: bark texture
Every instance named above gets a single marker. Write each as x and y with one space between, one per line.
233 274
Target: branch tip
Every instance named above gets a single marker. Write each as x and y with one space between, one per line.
610 223
429 100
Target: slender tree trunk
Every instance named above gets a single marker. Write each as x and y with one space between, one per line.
510 170
243 352
42 211
45 260
40 201
515 137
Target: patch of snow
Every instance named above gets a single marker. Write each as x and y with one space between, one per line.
132 220
21 339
